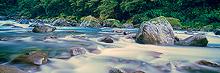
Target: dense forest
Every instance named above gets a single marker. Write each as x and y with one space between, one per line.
191 13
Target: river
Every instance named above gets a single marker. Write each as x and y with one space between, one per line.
122 54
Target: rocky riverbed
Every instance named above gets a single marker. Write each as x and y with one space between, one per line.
101 50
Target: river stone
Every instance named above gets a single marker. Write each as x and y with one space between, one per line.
8 69
128 25
8 25
126 32
74 51
23 20
34 57
115 70
217 32
2 18
64 22
91 22
43 29
51 37
107 40
195 40
117 31
155 31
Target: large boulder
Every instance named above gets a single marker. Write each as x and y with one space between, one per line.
90 21
195 40
8 69
43 29
23 20
155 31
217 32
2 18
34 57
64 22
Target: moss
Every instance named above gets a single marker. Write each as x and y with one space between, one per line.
174 22
90 19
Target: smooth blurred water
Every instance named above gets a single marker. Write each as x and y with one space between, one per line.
122 48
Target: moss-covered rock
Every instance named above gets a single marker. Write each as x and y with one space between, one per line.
112 23
34 57
90 21
174 22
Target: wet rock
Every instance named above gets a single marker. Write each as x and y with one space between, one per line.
195 40
2 18
131 37
34 57
93 49
155 31
115 70
208 63
176 39
217 32
51 37
117 31
17 27
106 40
6 38
64 22
189 31
154 54
74 51
23 20
91 22
43 29
135 72
8 25
128 25
27 31
79 37
71 31
8 69
32 25
126 32
96 51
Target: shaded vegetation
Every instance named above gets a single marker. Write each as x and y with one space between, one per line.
196 14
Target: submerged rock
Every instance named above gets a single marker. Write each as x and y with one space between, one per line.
8 69
43 29
208 63
155 31
131 37
34 57
74 51
2 18
106 40
217 32
51 37
6 38
17 27
8 25
195 40
115 70
126 32
111 23
117 31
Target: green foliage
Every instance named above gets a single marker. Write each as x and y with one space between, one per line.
191 14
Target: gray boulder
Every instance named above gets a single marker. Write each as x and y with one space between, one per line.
195 40
155 31
23 20
43 29
8 69
91 22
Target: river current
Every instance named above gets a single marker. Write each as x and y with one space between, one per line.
123 54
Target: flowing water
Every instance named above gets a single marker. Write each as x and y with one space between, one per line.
122 54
